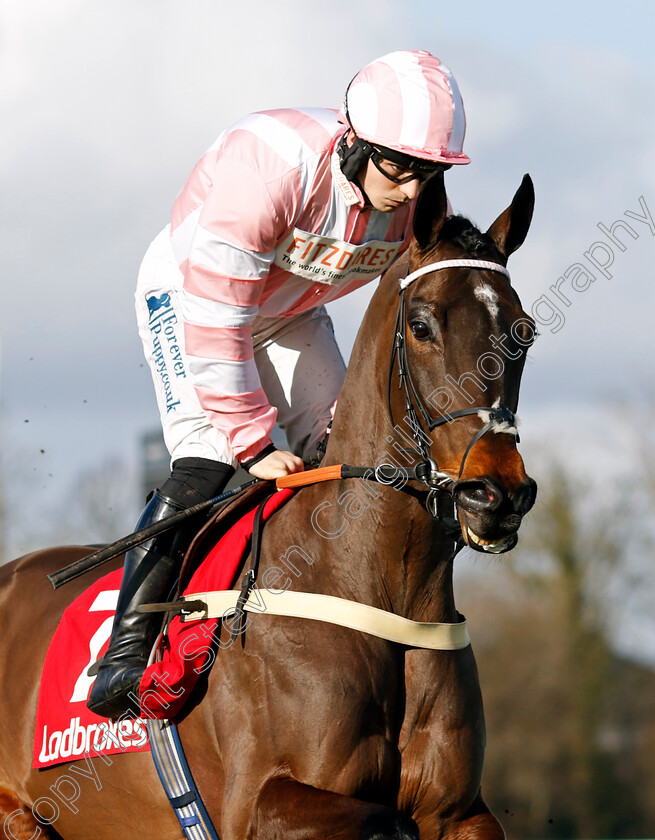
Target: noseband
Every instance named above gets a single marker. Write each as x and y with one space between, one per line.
498 416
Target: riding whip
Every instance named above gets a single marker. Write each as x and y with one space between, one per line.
103 555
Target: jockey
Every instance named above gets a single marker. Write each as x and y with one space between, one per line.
287 210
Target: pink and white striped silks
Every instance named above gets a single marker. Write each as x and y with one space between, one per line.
266 229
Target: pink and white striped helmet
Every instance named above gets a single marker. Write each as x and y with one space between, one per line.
408 101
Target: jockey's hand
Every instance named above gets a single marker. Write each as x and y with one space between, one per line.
276 465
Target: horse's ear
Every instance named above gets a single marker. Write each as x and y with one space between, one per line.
430 210
511 227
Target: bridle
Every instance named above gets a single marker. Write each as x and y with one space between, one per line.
498 416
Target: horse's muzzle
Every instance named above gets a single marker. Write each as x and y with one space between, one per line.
489 514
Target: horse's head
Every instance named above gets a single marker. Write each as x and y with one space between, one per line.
462 336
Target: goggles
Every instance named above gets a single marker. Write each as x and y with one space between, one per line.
393 164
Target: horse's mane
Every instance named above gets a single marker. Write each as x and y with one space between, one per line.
461 231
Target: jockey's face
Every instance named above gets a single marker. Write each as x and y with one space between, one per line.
383 193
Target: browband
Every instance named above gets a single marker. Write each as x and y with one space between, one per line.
435 266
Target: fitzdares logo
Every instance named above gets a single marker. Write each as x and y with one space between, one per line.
326 260
167 355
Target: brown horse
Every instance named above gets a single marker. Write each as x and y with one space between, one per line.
306 729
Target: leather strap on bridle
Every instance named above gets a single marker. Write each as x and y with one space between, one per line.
498 413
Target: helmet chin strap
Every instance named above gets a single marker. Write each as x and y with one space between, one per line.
353 158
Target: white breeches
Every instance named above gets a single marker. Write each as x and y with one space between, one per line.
300 366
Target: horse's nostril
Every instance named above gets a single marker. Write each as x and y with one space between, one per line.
525 497
483 495
478 496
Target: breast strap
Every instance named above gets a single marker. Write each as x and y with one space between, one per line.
333 610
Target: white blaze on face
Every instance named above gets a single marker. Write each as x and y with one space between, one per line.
487 295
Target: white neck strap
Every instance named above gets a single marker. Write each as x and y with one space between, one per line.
435 266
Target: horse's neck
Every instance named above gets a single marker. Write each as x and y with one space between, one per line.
402 557
361 423
380 547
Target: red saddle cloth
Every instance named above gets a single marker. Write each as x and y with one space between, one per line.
190 649
65 729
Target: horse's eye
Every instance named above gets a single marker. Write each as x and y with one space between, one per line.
420 330
527 332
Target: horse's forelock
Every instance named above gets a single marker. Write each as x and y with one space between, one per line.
461 231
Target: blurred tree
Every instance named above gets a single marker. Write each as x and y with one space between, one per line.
567 717
101 505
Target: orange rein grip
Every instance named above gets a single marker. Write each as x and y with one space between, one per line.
300 479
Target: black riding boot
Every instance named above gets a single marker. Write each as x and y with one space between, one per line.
149 572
